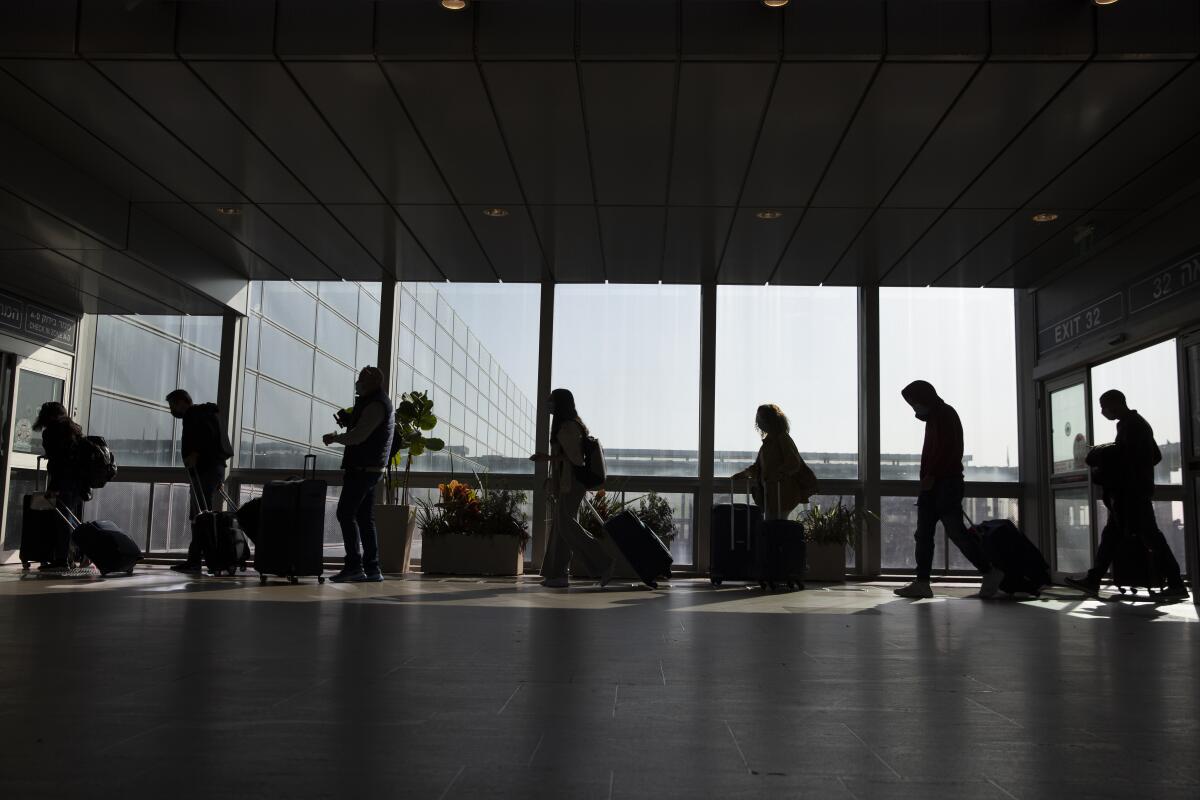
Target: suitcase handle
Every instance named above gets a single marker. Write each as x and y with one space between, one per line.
749 515
68 516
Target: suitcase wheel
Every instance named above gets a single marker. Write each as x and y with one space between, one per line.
129 572
262 579
24 566
1121 589
321 579
293 579
1133 590
652 584
716 582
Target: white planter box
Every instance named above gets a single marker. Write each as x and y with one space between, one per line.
396 525
464 554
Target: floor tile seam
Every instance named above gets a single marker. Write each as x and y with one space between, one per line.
873 752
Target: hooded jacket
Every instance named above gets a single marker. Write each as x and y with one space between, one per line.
942 452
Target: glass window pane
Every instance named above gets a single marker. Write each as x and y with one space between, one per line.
897 524
335 336
631 355
368 315
139 435
322 423
253 326
408 310
341 296
1149 378
1073 530
426 327
33 389
963 341
368 352
289 361
405 341
758 328
424 360
203 332
333 382
282 412
150 376
198 374
166 323
290 306
1068 422
249 393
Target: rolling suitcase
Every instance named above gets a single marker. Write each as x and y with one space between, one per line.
1133 566
249 516
644 551
735 529
108 547
782 554
291 539
1025 569
221 540
45 535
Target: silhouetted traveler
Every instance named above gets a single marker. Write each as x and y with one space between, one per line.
1128 493
781 479
942 492
368 441
204 447
569 539
66 480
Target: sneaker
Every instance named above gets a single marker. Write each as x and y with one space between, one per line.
991 583
349 576
1173 593
1087 584
607 575
917 590
556 583
188 568
374 577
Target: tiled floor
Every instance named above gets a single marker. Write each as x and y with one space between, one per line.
157 686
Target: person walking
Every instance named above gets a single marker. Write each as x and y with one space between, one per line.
942 492
66 481
205 448
1128 494
781 479
569 540
368 442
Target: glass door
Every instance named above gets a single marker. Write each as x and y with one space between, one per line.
1068 437
28 382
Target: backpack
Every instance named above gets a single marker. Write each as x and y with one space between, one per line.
97 464
592 472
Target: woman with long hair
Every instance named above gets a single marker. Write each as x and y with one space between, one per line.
569 539
65 484
781 479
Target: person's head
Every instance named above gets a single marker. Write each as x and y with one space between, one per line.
1113 404
922 397
771 420
49 414
179 401
562 404
370 381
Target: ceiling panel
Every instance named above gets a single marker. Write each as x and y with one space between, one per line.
511 243
121 27
571 239
719 112
451 110
178 99
383 141
818 243
268 101
948 240
53 278
756 245
529 29
633 239
695 238
948 28
1173 172
544 128
258 231
1072 241
1043 28
1165 122
890 232
422 30
1098 99
1001 99
716 28
10 240
132 273
240 28
1151 27
901 108
1014 239
199 227
628 113
385 236
40 28
83 94
450 242
604 29
45 229
320 232
810 108
839 28
320 28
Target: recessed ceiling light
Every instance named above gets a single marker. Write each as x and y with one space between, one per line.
768 214
775 3
454 5
495 212
1045 216
228 211
1105 2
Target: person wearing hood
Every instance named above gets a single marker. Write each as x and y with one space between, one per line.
781 479
942 492
204 446
67 483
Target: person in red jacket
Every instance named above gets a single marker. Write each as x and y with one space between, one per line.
942 492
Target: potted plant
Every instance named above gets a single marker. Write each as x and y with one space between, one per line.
473 533
828 531
398 522
654 512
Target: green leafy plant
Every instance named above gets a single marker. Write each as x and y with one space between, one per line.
462 510
414 416
654 512
837 524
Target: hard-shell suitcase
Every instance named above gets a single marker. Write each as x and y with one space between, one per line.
735 529
1025 569
109 548
644 551
782 554
219 535
291 539
45 535
249 516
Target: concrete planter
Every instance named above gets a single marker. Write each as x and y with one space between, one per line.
396 525
826 562
465 554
